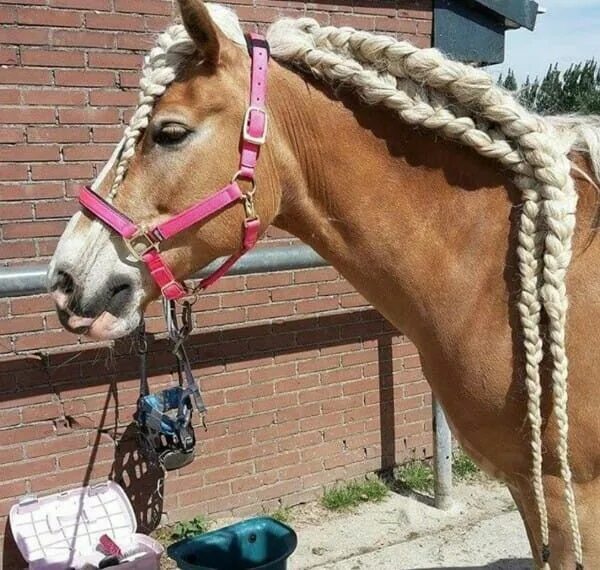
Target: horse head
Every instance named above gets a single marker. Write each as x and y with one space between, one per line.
182 144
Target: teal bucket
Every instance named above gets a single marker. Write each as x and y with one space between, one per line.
255 544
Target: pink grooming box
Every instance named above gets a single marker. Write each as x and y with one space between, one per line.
62 531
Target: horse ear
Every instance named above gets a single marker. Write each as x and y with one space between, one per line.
201 29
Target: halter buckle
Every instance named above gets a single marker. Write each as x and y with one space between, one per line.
140 244
257 140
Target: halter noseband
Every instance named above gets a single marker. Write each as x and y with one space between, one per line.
145 244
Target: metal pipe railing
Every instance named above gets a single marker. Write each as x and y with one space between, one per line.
31 280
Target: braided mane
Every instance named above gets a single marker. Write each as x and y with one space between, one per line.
463 104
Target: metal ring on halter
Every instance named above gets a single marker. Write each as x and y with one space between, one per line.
147 246
240 174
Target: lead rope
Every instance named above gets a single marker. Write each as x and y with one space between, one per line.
178 335
166 435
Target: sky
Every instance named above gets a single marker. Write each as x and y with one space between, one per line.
568 32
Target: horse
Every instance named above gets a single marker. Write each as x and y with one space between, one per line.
462 217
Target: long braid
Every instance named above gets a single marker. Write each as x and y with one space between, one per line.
529 253
335 55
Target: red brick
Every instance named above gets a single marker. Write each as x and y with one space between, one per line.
8 56
315 275
20 324
272 311
47 58
297 292
61 171
25 434
8 15
10 96
129 79
83 4
14 489
58 481
10 418
115 98
39 190
49 96
57 445
56 209
380 9
11 454
32 229
58 134
91 152
107 134
12 115
157 23
13 172
29 153
115 60
28 468
396 25
245 298
44 340
114 22
24 36
26 76
72 38
84 79
134 41
19 249
248 392
230 411
11 135
144 6
358 21
54 18
41 412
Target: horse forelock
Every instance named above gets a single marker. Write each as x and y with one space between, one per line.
172 50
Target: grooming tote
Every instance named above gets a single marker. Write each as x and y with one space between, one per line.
62 531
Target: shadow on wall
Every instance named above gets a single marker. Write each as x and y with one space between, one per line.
33 379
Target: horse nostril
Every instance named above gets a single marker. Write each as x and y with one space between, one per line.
120 295
65 283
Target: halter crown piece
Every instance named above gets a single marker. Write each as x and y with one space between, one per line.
145 244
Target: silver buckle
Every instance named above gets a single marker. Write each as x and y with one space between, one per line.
246 135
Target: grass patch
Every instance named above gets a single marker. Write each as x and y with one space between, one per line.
185 529
463 467
282 514
350 495
414 476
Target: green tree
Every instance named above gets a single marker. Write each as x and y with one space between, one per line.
576 90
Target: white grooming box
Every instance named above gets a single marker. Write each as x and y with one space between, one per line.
61 531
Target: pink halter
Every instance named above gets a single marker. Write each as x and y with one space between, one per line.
145 244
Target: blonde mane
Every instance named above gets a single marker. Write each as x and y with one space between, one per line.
463 104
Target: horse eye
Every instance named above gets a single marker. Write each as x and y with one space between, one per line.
170 134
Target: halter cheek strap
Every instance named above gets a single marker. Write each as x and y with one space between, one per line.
145 244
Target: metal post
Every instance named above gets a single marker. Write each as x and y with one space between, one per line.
442 458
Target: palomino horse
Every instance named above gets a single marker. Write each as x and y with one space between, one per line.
464 249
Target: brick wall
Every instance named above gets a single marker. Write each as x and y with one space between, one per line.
305 383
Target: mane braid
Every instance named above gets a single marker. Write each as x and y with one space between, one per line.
424 88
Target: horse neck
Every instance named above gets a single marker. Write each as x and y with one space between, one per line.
419 226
